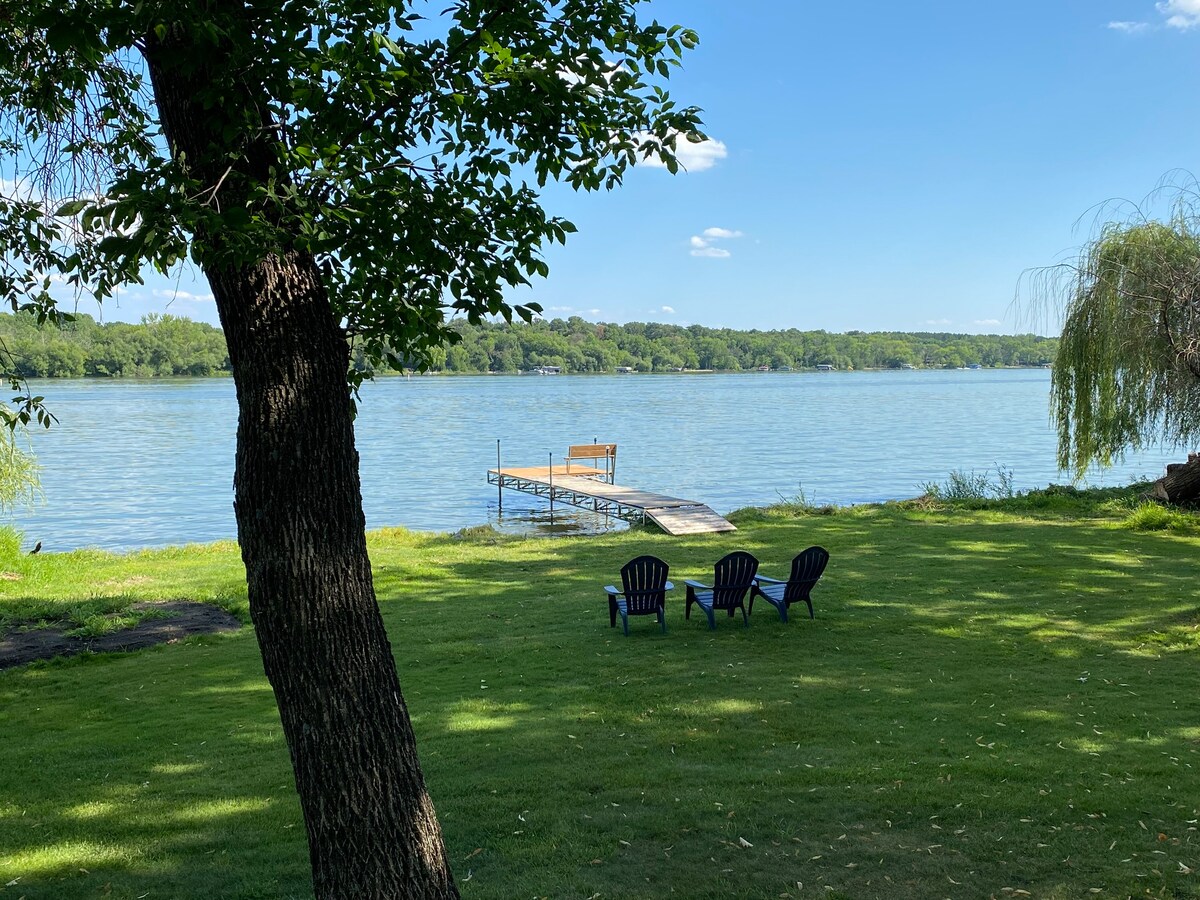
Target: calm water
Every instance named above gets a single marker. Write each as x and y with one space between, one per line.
150 463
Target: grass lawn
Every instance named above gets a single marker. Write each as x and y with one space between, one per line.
991 702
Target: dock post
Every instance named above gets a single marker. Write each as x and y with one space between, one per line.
551 455
499 481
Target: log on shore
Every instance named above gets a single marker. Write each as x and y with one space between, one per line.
1181 484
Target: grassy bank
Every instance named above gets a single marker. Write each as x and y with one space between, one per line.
991 701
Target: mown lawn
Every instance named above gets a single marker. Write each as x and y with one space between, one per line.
989 703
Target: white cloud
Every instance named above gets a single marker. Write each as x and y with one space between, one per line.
669 310
937 321
1129 27
698 157
1181 14
692 157
987 321
593 312
184 296
702 244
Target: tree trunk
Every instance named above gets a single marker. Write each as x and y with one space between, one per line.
372 830
1181 483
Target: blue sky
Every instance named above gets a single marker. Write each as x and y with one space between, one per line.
878 166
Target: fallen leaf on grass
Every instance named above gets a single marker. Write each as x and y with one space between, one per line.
742 842
473 853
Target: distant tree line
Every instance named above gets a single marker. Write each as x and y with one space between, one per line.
171 345
577 345
160 345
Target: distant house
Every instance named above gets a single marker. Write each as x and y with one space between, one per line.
547 370
826 367
764 368
624 370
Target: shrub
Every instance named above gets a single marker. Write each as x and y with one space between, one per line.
965 486
1151 516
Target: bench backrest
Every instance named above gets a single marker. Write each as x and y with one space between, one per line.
591 451
604 454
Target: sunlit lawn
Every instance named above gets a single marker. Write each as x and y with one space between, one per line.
986 705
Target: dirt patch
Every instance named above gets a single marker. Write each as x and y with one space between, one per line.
181 620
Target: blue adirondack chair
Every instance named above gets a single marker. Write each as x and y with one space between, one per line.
807 568
645 585
733 576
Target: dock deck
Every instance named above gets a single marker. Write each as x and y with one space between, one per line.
576 487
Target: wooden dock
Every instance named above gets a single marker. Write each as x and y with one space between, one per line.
575 486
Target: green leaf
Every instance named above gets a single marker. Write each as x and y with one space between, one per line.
71 208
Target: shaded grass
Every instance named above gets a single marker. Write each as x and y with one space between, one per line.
989 701
91 592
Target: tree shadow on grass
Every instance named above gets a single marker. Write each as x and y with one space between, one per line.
974 704
979 648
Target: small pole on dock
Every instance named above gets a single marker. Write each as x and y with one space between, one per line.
551 455
499 480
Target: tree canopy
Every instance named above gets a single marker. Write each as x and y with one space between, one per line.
1127 373
370 110
337 169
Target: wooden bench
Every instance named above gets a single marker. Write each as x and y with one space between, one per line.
603 457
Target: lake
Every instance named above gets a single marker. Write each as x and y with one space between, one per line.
150 463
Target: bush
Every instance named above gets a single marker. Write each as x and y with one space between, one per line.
1151 516
10 544
965 486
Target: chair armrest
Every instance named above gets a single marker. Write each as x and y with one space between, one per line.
697 584
612 591
669 587
770 580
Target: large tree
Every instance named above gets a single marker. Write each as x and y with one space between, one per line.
340 170
1127 374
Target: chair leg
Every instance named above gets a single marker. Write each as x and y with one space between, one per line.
753 591
687 608
662 619
783 609
625 623
712 620
810 609
745 617
612 612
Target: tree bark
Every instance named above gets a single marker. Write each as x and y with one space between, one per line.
371 826
1180 485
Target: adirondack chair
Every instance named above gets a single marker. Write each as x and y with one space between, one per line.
645 591
806 572
733 576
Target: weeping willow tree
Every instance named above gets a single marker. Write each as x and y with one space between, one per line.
1127 373
20 481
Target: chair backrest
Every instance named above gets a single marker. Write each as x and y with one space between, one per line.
732 577
645 583
807 568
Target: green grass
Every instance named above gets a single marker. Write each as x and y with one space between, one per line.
991 701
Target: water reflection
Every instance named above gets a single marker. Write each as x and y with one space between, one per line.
541 520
